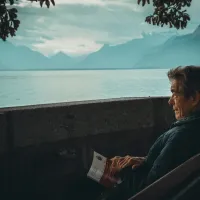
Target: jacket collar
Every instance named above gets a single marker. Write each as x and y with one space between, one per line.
195 116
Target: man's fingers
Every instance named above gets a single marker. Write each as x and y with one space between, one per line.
118 163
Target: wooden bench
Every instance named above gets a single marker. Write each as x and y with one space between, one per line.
162 186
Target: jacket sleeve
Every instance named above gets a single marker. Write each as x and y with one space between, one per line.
174 153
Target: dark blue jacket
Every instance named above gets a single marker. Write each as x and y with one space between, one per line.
171 149
178 144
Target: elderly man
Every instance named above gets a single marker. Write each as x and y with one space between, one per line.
178 144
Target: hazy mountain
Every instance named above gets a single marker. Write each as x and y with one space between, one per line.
123 55
62 61
179 50
3 67
21 57
80 58
151 51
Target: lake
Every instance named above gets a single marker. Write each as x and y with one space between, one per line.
19 88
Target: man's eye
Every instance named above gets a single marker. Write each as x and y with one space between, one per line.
174 94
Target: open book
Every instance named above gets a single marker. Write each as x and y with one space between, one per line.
100 171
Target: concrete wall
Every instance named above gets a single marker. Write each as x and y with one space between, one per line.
36 125
40 141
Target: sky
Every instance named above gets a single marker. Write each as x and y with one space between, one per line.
79 27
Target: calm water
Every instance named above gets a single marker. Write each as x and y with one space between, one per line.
39 87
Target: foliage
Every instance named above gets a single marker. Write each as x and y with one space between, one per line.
166 12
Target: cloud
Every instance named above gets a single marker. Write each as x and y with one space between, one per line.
73 46
83 26
103 3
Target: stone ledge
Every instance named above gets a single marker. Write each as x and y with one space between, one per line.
35 125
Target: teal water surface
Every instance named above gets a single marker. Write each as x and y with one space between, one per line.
40 87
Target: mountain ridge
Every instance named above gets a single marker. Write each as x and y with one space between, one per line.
177 51
136 53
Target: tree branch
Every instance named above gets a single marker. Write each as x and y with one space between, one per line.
168 12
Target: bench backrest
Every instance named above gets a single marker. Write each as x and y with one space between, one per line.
163 185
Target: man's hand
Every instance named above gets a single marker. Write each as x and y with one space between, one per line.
119 163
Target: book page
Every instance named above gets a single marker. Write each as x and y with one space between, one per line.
100 171
97 168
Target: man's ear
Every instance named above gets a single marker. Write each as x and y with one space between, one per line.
196 99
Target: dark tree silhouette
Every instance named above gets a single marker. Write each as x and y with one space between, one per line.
166 12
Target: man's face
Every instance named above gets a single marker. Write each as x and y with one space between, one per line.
182 106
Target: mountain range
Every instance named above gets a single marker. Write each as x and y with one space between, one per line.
157 50
176 51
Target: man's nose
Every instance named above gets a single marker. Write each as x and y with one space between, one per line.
170 101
